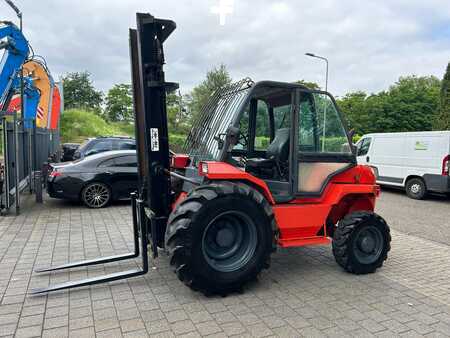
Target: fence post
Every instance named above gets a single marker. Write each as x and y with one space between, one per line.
38 185
16 163
6 162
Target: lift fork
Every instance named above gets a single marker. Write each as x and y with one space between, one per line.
140 223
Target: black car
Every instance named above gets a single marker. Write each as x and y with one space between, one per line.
68 150
95 180
105 143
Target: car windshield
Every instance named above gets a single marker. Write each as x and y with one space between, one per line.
211 123
85 143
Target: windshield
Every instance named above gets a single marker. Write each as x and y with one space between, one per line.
210 126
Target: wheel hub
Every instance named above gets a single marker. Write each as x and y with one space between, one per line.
415 188
367 244
225 237
229 241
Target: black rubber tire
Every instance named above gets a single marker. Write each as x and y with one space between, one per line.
89 205
416 182
189 221
345 235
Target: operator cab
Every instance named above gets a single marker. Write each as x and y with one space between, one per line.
278 117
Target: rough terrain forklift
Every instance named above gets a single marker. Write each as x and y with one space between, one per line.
266 165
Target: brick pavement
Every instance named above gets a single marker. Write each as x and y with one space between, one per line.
304 293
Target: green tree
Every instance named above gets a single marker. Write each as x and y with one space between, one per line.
119 103
413 102
442 121
215 79
177 116
79 92
408 105
310 85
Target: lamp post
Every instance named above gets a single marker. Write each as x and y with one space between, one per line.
326 61
326 89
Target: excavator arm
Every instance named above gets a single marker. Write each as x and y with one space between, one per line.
16 51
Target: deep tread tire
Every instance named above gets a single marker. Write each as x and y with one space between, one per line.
346 233
414 183
188 222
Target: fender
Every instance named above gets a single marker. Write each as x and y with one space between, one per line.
224 171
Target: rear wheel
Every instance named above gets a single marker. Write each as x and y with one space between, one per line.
220 237
416 188
96 195
361 242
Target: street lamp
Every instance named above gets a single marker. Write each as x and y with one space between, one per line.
326 89
324 59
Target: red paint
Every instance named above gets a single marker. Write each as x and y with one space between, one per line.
446 165
56 108
15 105
179 161
302 220
225 171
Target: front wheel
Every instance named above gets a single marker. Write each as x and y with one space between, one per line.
361 242
220 237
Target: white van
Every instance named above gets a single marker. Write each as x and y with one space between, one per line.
416 161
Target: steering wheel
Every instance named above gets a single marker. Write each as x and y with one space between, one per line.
243 140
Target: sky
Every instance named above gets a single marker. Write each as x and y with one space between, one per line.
369 44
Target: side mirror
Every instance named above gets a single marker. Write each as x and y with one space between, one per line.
232 137
351 133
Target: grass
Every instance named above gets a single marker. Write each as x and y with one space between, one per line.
77 125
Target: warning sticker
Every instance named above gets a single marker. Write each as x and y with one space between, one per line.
154 139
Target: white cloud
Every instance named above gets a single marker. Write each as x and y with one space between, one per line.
369 44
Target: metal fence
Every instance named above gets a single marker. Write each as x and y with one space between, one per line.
25 151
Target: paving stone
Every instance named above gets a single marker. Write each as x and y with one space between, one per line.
204 316
56 332
114 333
157 326
181 327
55 322
30 331
175 316
87 332
136 334
7 329
80 323
233 328
132 325
259 330
395 326
208 328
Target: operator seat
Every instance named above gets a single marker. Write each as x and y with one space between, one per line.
276 154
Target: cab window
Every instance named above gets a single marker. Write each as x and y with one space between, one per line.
262 132
321 128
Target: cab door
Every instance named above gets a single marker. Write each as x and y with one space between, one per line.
322 143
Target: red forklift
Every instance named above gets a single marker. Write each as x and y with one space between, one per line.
265 165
